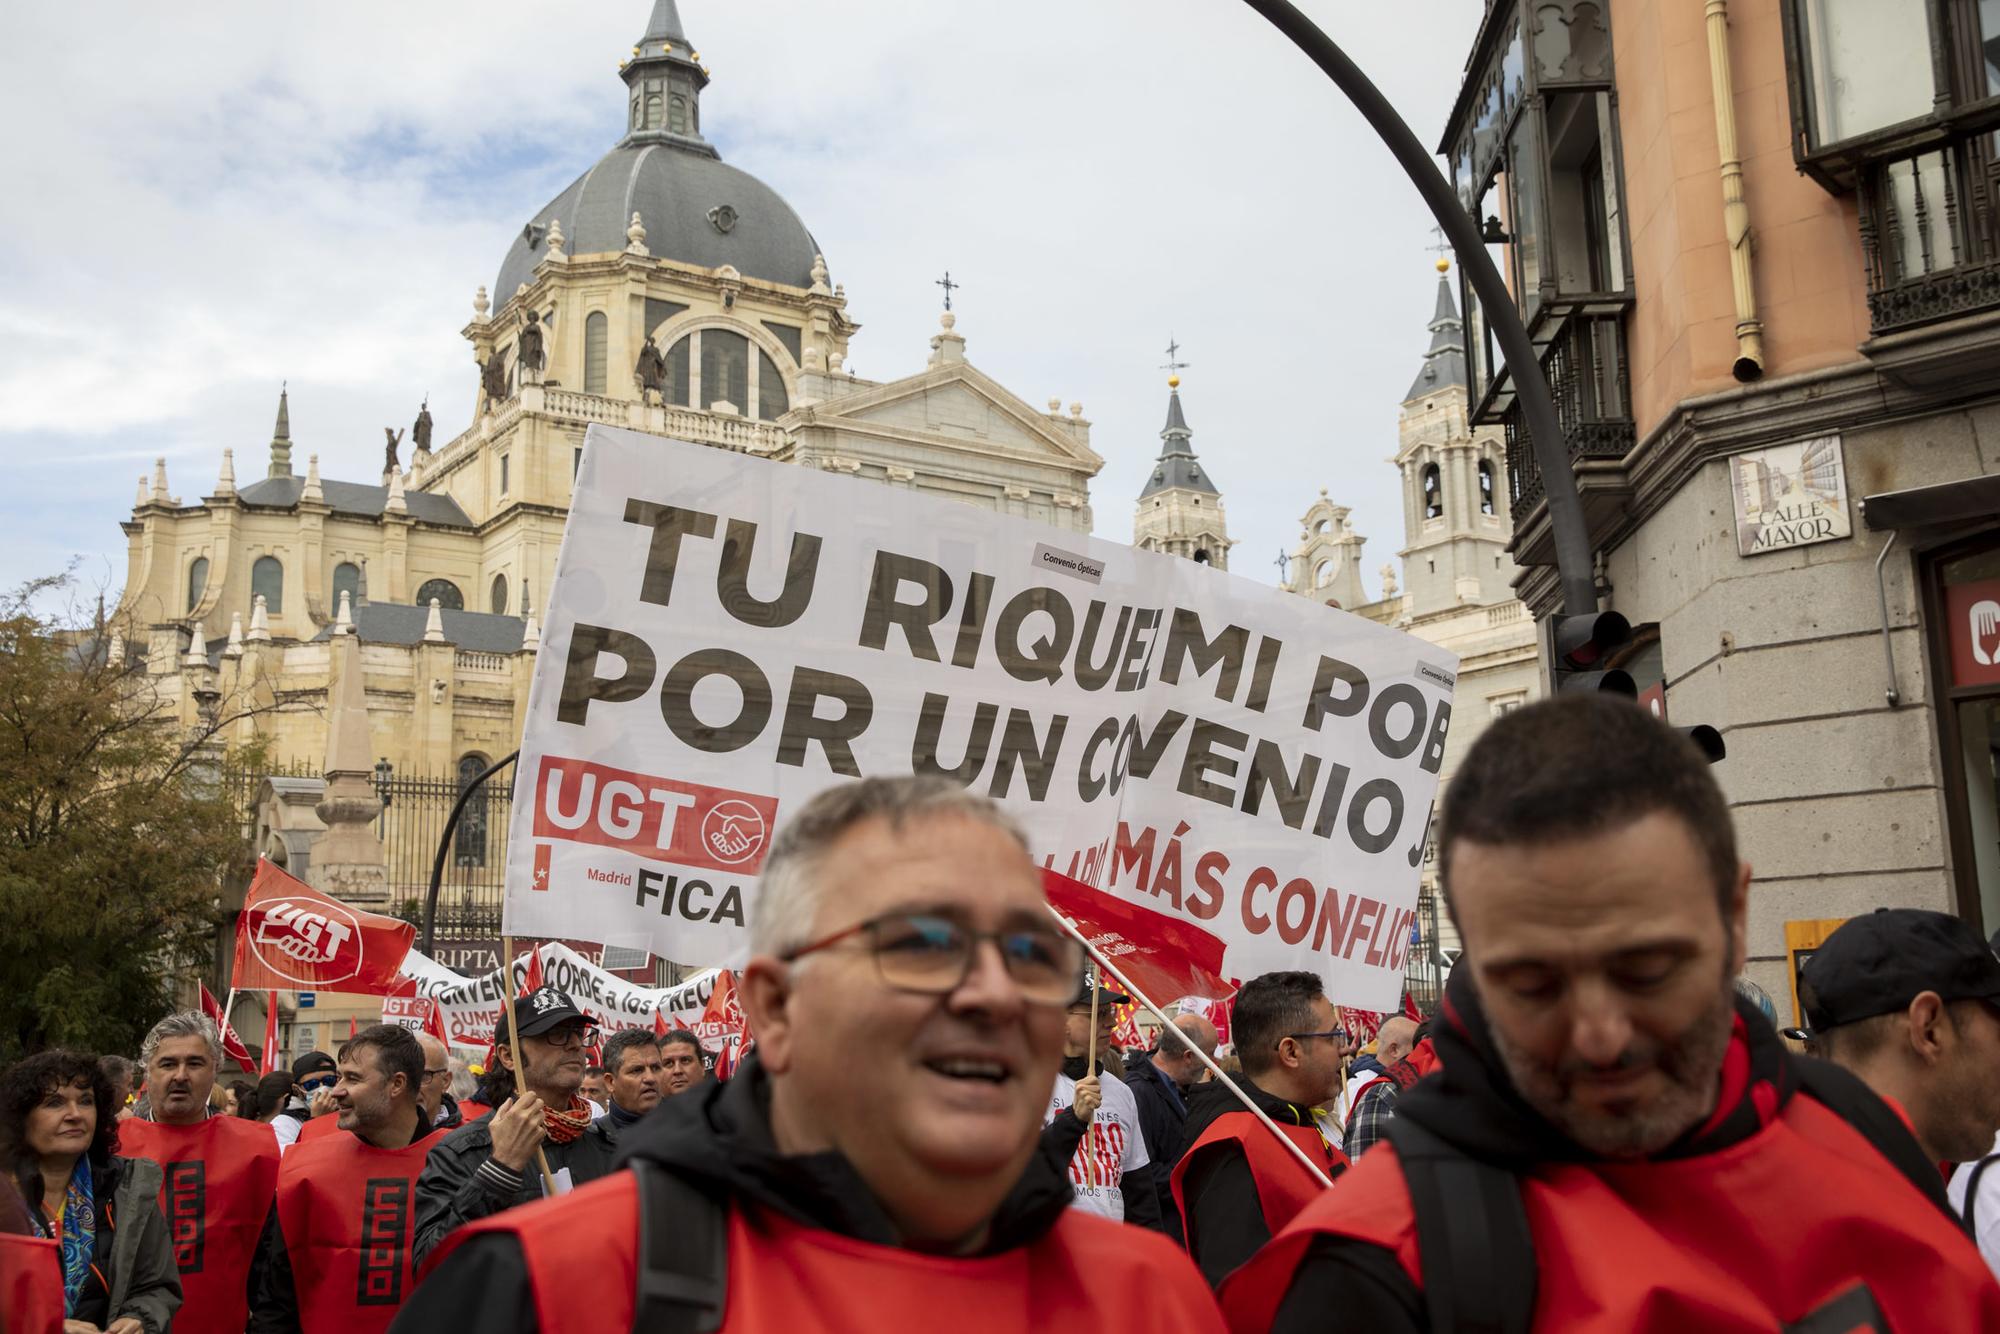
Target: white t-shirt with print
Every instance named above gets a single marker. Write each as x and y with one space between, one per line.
1113 1143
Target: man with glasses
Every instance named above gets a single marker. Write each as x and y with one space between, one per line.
1236 1186
434 1094
490 1165
874 1161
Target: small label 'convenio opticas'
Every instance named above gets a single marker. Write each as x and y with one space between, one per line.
1068 562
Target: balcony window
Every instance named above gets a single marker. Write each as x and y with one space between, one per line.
725 369
675 390
1867 66
596 329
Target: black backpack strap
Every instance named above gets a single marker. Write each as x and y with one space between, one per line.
1972 1190
1843 1093
683 1255
1477 1253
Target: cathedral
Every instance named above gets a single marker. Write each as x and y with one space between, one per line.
665 291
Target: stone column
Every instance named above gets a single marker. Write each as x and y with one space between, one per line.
348 862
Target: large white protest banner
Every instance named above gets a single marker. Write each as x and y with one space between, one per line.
728 635
471 1005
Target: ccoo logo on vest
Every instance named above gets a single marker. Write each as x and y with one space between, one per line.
308 941
659 820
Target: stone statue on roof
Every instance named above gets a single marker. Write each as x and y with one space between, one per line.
651 372
420 431
493 376
389 462
529 355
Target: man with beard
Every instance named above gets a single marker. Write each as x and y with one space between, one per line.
1235 1184
440 1108
220 1172
491 1164
874 1164
680 1063
336 1254
632 1079
1614 1142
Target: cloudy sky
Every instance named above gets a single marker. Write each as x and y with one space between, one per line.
212 199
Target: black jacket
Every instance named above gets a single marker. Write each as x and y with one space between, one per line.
1343 1284
461 1183
717 1138
1225 1222
1163 1123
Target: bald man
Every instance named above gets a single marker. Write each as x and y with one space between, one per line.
1159 1083
434 1093
1373 1101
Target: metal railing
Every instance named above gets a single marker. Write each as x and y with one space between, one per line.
1928 233
1586 369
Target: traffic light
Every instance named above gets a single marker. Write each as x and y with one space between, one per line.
1582 644
1707 740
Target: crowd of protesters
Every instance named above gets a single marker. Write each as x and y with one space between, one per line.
1598 1129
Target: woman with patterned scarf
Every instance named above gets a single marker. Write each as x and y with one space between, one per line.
58 1131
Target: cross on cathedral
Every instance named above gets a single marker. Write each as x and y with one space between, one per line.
949 287
1284 564
1174 364
1443 247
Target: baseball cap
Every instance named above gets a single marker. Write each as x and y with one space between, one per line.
539 1011
1105 995
312 1063
1879 963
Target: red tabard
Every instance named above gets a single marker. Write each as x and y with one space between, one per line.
349 1210
220 1175
1084 1273
1761 1235
1283 1187
31 1285
318 1128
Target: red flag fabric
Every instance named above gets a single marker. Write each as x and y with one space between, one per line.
1125 1033
1164 957
1410 1010
232 1045
292 936
270 1065
220 1176
31 1283
533 981
659 1023
434 1023
722 1022
351 1029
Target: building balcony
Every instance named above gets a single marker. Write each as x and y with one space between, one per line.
1928 234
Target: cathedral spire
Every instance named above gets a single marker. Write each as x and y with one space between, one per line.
1444 359
281 439
1176 466
665 79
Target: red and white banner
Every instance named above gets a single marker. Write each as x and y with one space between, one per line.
727 636
232 1046
293 937
468 1008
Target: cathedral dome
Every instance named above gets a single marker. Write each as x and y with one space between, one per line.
696 208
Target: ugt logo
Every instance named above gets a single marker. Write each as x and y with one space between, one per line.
309 941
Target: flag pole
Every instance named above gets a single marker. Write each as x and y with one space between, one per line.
1089 1069
514 1049
1105 966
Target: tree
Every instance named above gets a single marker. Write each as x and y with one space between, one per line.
114 833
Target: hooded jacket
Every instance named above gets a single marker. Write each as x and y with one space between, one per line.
717 1138
1320 1274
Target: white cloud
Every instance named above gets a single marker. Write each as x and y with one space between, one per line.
213 199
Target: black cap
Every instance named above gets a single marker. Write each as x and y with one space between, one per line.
312 1063
1106 997
1879 963
539 1011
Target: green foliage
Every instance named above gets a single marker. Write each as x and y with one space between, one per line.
114 832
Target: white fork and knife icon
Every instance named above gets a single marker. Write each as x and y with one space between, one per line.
1985 617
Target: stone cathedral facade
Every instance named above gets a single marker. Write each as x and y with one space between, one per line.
665 291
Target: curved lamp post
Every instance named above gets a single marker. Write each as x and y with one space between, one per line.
1572 539
444 846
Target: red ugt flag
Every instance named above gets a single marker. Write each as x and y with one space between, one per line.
292 936
232 1046
1165 957
533 981
271 1063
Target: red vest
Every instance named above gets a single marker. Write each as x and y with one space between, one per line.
220 1175
1754 1237
1084 1274
349 1211
1283 1186
318 1128
31 1285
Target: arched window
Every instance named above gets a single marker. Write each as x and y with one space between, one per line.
677 114
675 390
1322 525
652 111
469 839
267 577
445 591
1201 556
346 579
1486 486
197 580
1322 573
725 369
1433 493
772 401
499 602
596 328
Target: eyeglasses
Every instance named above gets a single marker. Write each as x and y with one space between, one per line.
1331 1034
564 1035
931 954
433 1074
314 1083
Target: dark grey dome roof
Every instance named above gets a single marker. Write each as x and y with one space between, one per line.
673 190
